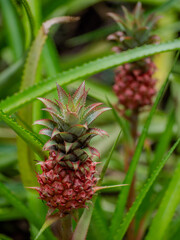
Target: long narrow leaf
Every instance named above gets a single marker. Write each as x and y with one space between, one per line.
123 124
46 224
167 5
83 224
129 216
5 76
28 214
51 58
26 135
174 229
13 103
29 15
119 211
99 221
166 209
36 49
108 160
3 237
164 141
161 148
13 28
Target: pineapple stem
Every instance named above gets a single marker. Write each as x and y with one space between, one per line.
63 228
128 157
141 230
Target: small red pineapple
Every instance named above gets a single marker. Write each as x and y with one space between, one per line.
65 188
134 82
134 85
68 176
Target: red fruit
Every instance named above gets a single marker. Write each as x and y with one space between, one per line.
134 84
71 189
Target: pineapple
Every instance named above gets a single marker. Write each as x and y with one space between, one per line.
135 86
68 178
134 82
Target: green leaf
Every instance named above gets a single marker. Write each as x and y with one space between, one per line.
167 208
99 222
108 160
163 142
9 214
51 58
175 88
167 5
149 203
6 76
29 215
174 229
7 161
94 35
13 28
3 237
129 216
18 100
47 223
29 15
123 124
83 224
26 135
119 211
36 49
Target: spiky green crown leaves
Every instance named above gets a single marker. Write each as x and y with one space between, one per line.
69 130
135 28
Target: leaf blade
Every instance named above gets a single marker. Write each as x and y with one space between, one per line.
129 216
18 100
108 159
83 224
22 208
26 135
167 208
118 214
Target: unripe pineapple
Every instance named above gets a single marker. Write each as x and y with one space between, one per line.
68 175
134 82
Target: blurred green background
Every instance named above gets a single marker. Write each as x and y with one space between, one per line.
67 46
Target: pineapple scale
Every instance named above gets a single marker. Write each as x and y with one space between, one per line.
135 86
64 188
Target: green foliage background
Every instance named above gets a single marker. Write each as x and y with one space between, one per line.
31 64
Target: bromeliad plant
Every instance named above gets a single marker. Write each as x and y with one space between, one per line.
68 176
134 82
67 204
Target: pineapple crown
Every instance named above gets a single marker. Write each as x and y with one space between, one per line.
69 130
135 28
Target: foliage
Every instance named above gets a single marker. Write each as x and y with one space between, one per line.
32 59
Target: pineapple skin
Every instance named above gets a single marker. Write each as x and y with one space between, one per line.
135 86
64 188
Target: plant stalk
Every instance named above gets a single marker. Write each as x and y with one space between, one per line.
141 230
129 155
62 228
